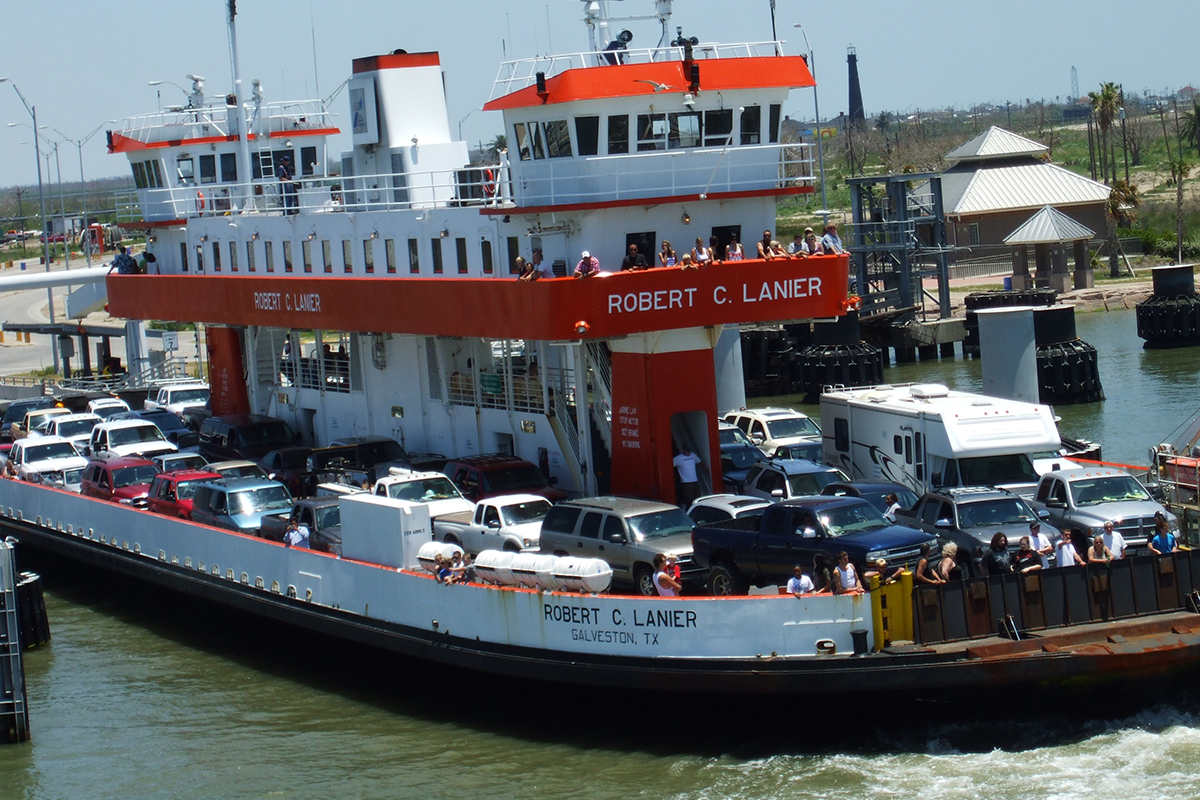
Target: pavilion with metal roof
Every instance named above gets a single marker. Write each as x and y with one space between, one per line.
1048 232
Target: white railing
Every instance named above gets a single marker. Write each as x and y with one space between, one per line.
520 73
214 120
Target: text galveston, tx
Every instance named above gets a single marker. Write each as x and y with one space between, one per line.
667 299
641 626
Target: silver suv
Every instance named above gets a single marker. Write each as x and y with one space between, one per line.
771 428
625 532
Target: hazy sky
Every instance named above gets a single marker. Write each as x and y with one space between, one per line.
82 63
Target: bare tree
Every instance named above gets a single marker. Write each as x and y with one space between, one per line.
1139 135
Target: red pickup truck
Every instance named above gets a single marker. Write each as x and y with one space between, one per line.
479 477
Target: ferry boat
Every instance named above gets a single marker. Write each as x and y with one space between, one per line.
402 265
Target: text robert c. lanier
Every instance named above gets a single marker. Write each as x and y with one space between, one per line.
667 299
287 301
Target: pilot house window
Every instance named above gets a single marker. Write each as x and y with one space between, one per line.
558 139
652 132
618 134
718 125
683 130
522 141
587 135
751 125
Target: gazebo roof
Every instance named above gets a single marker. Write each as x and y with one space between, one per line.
1048 226
995 143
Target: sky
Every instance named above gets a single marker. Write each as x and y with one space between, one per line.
83 63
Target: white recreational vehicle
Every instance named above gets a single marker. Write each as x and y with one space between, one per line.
926 436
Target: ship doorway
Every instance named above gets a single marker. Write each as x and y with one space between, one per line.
504 443
724 234
306 424
691 428
647 245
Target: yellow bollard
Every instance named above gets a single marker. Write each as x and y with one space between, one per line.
26 337
1 337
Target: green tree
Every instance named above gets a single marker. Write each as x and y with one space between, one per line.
1106 105
1190 129
496 145
1122 203
883 122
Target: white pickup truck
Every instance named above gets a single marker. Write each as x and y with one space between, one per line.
178 397
432 488
510 522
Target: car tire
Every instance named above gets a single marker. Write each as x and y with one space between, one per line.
725 580
450 538
509 547
643 581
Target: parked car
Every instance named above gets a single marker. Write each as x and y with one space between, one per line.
1088 496
75 428
105 407
120 479
239 504
243 436
289 466
45 459
238 468
173 462
381 453
322 516
129 437
36 421
625 532
479 477
732 434
723 507
16 413
874 493
763 549
511 522
783 479
432 488
172 493
177 398
769 428
811 451
172 427
970 516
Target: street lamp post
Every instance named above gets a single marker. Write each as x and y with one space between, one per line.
42 203
464 119
79 143
812 68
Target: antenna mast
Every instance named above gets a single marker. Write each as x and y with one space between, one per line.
238 112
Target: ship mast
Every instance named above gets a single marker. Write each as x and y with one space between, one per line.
243 131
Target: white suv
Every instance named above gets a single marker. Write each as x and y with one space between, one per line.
129 437
75 428
179 397
771 428
46 459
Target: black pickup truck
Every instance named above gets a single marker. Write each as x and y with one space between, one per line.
323 517
763 549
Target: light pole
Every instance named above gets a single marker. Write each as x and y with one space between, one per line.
159 91
812 68
42 202
464 119
79 143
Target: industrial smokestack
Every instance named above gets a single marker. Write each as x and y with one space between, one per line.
857 115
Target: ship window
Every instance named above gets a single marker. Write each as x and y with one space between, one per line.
306 254
199 258
156 179
535 133
414 257
651 132
368 256
558 139
308 160
460 255
389 249
269 255
587 135
233 264
183 259
485 254
208 169
347 256
216 247
327 255
250 256
751 125
139 174
973 233
229 167
522 140
773 122
718 125
683 130
514 250
436 244
618 134
186 169
287 255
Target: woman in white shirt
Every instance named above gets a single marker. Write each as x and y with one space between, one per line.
664 583
701 255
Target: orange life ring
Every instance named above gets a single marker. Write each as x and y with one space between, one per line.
200 201
489 183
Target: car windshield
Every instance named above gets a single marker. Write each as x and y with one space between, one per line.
42 452
423 491
128 476
73 476
1111 489
265 434
791 427
268 498
733 436
241 471
379 452
188 396
997 470
905 497
190 461
294 459
1004 511
75 427
513 479
185 490
814 482
660 524
104 412
137 435
742 457
520 513
329 517
853 518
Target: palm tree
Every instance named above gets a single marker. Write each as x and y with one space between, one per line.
1106 104
496 145
1190 129
1121 204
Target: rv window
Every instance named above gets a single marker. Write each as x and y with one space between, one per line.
908 459
897 444
920 454
841 435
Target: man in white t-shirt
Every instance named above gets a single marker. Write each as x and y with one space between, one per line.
1113 540
1040 542
689 489
799 583
541 269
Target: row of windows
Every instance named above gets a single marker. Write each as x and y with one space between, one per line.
149 174
225 255
666 131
